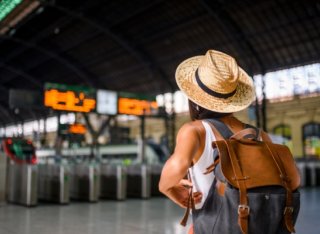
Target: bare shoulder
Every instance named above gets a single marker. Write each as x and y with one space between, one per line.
194 128
190 140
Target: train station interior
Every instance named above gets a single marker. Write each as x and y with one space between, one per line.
90 109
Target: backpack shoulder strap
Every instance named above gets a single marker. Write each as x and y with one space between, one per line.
249 132
190 205
221 130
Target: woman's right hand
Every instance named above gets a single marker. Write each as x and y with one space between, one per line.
180 193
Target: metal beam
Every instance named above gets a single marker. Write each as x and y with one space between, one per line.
3 89
21 73
39 62
138 54
4 93
35 38
104 125
40 35
231 28
173 28
138 11
64 21
89 125
269 44
6 113
44 32
51 53
305 31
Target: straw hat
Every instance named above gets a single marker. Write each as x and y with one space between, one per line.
215 82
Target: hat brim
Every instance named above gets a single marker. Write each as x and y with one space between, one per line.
185 78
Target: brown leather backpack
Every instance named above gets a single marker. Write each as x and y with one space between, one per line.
255 180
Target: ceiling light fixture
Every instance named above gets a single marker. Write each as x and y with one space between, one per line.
13 11
6 6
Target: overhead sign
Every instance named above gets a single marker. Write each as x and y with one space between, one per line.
107 102
77 128
131 104
68 129
69 98
84 99
21 98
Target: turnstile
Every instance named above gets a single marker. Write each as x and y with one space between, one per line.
309 172
85 181
155 178
301 165
3 176
113 181
313 173
139 181
317 173
54 183
22 183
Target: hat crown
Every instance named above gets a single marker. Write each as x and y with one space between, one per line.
215 82
219 72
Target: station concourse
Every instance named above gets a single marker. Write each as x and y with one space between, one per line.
90 109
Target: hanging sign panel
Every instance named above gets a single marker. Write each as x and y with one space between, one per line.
107 102
77 128
132 104
69 98
22 98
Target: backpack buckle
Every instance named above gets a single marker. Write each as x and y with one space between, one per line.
243 208
288 209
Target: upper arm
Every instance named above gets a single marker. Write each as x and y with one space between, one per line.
187 144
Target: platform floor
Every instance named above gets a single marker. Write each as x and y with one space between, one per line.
133 216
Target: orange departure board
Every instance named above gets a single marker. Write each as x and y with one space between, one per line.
132 106
69 98
77 129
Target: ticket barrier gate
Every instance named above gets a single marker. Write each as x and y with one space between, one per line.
85 182
113 181
139 181
3 175
317 173
313 173
54 183
302 169
22 184
155 178
309 172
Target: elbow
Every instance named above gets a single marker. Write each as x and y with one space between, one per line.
162 188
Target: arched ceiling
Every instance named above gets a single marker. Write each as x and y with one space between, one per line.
136 45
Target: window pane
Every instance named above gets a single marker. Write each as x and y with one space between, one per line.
311 136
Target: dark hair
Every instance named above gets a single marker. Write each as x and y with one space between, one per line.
197 112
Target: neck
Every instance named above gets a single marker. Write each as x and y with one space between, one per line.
234 124
227 117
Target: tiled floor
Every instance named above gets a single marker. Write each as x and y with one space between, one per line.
154 216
